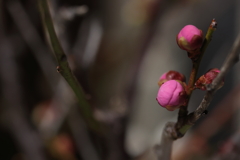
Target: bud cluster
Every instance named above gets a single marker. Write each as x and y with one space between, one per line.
173 91
172 87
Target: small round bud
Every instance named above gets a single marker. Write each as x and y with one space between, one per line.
190 38
171 75
171 95
207 78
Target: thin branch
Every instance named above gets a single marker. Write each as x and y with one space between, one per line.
64 69
230 61
196 60
196 63
63 98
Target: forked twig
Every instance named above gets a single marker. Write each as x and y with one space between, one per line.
231 60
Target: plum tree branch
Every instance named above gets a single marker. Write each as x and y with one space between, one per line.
64 69
189 121
231 60
180 126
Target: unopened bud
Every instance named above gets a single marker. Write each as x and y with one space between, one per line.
171 95
207 78
190 38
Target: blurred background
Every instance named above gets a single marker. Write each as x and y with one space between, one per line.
117 49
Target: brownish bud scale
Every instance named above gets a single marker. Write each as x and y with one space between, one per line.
207 78
171 75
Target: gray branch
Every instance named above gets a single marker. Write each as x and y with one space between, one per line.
230 61
164 150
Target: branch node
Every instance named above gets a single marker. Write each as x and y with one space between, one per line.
59 70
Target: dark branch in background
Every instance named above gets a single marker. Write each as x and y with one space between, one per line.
117 62
91 32
231 59
64 70
33 40
13 116
63 98
62 101
230 149
81 137
48 127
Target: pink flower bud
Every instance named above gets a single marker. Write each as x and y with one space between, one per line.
190 38
171 75
207 78
171 95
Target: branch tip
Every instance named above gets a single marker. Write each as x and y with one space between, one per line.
213 24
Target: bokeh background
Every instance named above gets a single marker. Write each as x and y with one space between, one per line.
117 49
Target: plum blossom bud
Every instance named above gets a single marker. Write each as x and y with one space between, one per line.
207 78
171 95
190 38
171 75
